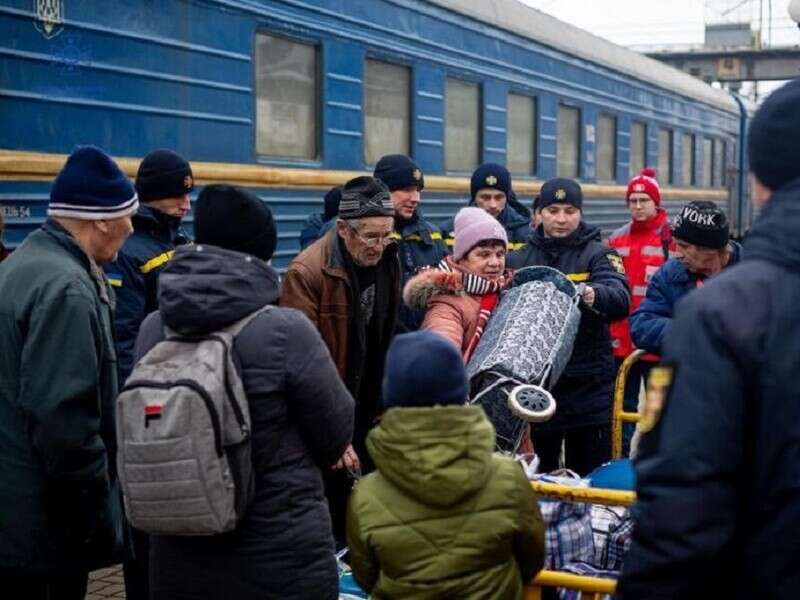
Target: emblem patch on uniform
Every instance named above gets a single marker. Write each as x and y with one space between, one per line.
491 180
188 182
616 262
658 385
417 174
560 194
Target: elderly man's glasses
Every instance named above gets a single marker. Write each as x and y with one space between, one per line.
372 240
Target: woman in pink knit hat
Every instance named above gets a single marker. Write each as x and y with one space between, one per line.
463 290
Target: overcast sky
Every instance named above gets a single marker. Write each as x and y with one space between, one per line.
657 24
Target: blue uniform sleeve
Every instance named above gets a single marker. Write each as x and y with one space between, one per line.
130 288
610 285
650 320
688 463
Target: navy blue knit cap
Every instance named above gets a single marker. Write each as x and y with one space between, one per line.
398 171
773 143
332 198
561 190
91 187
490 175
422 369
163 174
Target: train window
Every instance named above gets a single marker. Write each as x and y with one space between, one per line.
287 88
708 162
606 148
638 149
719 163
462 126
569 142
521 134
387 109
665 155
687 167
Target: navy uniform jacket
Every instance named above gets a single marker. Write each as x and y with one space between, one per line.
515 219
134 276
314 227
668 285
419 244
719 474
583 392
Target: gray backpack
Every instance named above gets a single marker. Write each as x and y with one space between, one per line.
183 431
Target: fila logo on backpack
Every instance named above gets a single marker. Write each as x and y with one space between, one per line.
183 431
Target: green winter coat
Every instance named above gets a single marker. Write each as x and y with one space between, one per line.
60 505
442 517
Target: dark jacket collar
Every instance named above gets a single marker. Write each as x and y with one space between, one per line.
159 223
64 239
774 236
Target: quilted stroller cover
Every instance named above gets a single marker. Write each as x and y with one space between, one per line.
528 340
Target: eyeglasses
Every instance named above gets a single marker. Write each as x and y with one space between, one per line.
373 240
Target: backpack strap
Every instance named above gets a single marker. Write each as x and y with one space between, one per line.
237 327
665 233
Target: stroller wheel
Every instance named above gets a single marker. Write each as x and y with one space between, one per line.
532 403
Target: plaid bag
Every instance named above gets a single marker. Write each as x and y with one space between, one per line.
619 542
568 534
605 522
587 570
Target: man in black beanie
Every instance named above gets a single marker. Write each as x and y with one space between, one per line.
702 250
163 183
348 284
490 189
419 242
301 414
718 502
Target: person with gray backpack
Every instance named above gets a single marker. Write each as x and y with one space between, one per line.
232 410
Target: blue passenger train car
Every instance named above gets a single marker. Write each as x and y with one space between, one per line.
290 97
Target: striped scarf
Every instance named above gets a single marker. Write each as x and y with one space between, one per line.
489 291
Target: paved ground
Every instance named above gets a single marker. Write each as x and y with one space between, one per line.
106 583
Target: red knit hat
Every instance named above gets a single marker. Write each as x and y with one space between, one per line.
645 183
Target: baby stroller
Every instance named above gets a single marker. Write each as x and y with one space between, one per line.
523 351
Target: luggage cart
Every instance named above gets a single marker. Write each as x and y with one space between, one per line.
618 415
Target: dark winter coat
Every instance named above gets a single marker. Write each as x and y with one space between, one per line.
444 517
583 392
60 501
419 244
668 285
314 227
719 501
514 218
302 420
134 276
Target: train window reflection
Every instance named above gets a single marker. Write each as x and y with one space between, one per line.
638 149
521 135
665 156
687 167
462 126
387 109
606 148
569 143
287 85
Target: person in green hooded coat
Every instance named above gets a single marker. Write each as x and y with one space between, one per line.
442 517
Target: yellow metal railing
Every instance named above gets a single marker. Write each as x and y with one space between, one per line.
38 166
590 587
618 415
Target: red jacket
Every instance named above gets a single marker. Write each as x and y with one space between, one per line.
644 247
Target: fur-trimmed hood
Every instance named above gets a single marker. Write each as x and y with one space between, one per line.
448 278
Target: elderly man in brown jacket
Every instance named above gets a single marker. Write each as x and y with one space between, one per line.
357 259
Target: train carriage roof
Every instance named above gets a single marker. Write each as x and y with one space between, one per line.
539 27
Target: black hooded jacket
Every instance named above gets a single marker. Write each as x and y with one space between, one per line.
719 474
302 419
583 259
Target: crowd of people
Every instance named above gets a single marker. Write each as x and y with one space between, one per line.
353 364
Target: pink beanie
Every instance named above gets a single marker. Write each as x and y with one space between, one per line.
472 226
